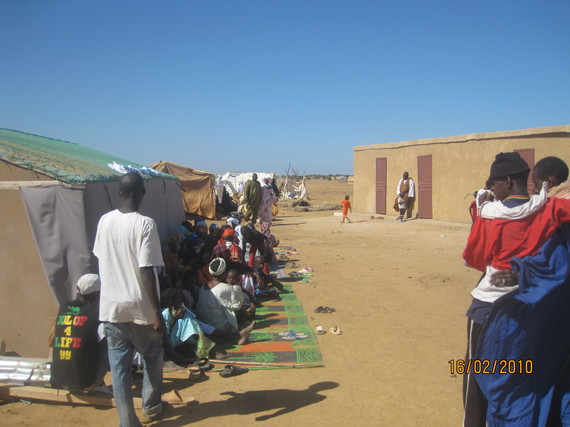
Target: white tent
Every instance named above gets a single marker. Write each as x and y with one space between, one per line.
234 181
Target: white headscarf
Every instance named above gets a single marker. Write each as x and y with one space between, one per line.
221 267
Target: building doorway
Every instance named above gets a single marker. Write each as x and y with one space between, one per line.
424 190
381 177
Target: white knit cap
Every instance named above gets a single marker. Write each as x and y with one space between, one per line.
88 283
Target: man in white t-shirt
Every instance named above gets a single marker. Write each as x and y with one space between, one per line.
128 248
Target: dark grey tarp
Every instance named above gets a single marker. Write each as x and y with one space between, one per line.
57 220
162 202
64 220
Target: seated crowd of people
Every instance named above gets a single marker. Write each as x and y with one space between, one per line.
212 280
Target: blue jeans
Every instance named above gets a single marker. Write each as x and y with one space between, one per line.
123 339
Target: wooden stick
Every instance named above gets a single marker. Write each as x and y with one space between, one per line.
61 396
276 365
173 397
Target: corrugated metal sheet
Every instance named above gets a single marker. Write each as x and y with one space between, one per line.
19 370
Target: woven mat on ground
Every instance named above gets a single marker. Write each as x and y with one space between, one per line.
265 345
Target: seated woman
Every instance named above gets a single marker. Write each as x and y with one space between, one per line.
171 261
186 338
229 251
189 287
218 302
183 338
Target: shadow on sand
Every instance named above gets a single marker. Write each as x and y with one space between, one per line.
279 401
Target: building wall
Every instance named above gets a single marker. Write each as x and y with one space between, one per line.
460 166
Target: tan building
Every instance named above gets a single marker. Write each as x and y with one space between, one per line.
447 170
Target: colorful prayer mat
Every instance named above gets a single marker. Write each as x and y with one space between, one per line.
265 345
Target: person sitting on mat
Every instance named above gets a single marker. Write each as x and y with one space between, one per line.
186 338
247 311
266 282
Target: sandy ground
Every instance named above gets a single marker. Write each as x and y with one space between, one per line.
400 291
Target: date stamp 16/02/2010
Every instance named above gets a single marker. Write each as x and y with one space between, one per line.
483 366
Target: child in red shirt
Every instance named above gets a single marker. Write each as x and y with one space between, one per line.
345 207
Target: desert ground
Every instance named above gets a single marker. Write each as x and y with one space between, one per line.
400 291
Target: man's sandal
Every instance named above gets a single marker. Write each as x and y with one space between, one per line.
194 372
232 371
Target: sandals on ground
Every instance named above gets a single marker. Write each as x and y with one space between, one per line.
194 372
232 371
335 330
292 335
204 364
321 309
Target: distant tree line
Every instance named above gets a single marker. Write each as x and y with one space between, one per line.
328 177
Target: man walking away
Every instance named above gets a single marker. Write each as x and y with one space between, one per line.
128 248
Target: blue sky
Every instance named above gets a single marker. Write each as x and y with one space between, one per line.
256 85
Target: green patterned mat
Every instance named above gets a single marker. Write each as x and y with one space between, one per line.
265 345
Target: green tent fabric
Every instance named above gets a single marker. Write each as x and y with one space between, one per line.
61 160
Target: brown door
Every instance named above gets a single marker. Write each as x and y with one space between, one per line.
528 155
381 174
424 187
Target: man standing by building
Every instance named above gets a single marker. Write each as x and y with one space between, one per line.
128 248
252 199
406 195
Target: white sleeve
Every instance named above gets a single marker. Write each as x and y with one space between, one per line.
398 187
150 254
480 193
412 192
97 244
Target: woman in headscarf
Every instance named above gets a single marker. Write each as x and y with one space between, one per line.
218 302
266 208
229 250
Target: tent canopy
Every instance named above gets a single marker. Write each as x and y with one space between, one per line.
65 161
197 187
51 198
